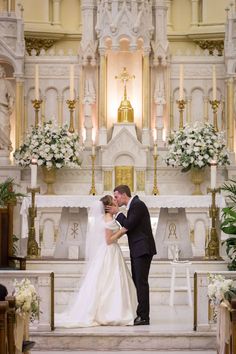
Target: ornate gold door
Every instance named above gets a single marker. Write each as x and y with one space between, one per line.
124 175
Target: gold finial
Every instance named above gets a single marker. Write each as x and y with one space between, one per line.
125 111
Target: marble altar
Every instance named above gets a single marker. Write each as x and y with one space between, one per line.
62 221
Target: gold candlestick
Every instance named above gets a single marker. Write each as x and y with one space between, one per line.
181 106
36 105
155 190
215 104
93 190
212 248
32 245
71 106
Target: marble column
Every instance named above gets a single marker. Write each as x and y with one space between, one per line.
77 114
60 109
19 110
102 101
169 14
230 114
171 113
146 100
25 128
56 10
223 114
205 108
42 111
194 21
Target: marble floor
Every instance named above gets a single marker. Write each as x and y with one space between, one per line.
163 318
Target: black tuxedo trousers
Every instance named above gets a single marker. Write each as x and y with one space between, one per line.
142 248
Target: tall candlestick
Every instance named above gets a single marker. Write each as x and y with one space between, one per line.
213 174
181 82
213 83
71 82
93 149
36 82
33 167
155 148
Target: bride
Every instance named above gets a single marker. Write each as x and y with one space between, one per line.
107 295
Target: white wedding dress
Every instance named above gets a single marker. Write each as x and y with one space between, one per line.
107 295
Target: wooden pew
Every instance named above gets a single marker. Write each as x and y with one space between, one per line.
7 325
3 327
233 326
11 320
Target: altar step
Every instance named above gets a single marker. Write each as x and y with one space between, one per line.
68 277
158 266
124 339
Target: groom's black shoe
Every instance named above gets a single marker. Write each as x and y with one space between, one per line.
139 321
27 345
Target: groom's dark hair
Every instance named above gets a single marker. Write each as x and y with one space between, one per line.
123 188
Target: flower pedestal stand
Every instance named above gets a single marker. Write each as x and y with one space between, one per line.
49 177
21 331
197 177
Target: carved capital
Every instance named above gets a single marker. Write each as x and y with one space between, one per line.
211 46
37 44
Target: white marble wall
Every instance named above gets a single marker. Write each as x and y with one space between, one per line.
43 282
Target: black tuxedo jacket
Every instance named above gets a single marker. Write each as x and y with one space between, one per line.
139 232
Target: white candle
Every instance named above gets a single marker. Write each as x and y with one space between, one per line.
71 82
93 149
36 82
213 174
155 149
181 82
213 83
33 168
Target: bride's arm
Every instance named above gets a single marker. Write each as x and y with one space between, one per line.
112 237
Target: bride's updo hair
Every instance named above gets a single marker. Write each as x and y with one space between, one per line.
107 200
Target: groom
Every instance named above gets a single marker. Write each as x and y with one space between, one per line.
141 244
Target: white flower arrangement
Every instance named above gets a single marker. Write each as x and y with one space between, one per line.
196 147
219 288
51 145
27 300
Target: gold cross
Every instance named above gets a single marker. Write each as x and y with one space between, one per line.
124 76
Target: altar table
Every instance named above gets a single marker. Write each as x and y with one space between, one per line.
163 207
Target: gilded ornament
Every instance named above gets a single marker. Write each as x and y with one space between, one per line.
125 110
38 44
124 175
211 46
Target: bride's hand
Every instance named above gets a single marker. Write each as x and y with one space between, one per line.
124 230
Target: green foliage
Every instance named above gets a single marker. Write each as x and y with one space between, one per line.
7 194
228 223
230 187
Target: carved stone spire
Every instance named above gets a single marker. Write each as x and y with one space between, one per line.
160 44
124 19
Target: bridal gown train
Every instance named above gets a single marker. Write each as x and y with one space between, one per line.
107 295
